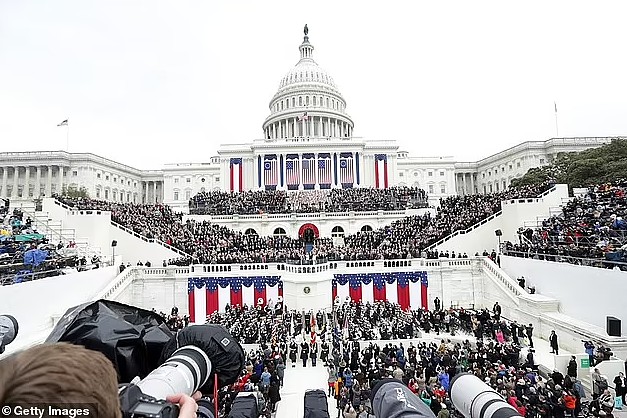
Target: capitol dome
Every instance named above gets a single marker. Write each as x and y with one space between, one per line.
307 71
307 103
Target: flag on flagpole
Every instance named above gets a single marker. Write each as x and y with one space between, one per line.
555 104
304 117
64 123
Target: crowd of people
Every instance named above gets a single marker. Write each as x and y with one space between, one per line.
279 201
205 242
501 354
591 228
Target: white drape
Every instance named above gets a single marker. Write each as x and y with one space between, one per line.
414 295
391 293
200 304
248 295
224 297
366 293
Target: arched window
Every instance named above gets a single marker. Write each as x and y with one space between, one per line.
327 102
315 101
307 101
293 101
279 232
337 231
300 100
366 228
250 231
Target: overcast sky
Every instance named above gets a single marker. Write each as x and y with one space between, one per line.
153 82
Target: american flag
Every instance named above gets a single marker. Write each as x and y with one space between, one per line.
324 171
309 171
271 172
291 167
346 170
304 117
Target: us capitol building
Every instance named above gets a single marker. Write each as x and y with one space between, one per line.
307 144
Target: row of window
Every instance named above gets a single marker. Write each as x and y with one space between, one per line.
115 196
189 180
290 102
429 174
107 177
510 167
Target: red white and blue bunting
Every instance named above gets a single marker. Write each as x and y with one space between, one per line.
207 295
408 289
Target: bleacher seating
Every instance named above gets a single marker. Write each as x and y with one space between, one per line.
589 227
278 201
27 255
205 242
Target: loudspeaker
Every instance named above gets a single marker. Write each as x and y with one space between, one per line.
613 326
498 233
114 243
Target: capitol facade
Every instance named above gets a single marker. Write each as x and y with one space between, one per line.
307 144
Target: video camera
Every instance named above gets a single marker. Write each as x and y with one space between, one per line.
199 357
8 331
474 399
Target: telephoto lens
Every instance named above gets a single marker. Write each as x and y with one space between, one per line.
474 399
186 370
8 331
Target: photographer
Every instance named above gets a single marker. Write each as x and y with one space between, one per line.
65 374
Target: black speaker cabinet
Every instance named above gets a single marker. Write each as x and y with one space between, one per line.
613 326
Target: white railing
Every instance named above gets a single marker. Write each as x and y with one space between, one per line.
121 282
512 287
149 240
465 231
309 215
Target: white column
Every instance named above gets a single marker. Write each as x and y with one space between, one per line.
284 168
354 170
16 174
154 192
311 127
37 190
273 131
59 179
300 171
49 181
332 170
4 182
26 183
337 128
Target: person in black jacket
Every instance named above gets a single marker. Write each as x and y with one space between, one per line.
313 353
620 386
304 353
572 367
555 349
274 395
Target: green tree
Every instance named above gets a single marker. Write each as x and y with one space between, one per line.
73 192
604 164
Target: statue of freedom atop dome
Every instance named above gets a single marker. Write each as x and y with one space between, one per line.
306 30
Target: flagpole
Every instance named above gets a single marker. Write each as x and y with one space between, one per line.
557 131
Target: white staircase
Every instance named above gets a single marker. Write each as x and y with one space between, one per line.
54 230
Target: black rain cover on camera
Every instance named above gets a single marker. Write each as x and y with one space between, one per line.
316 404
132 338
244 407
226 354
